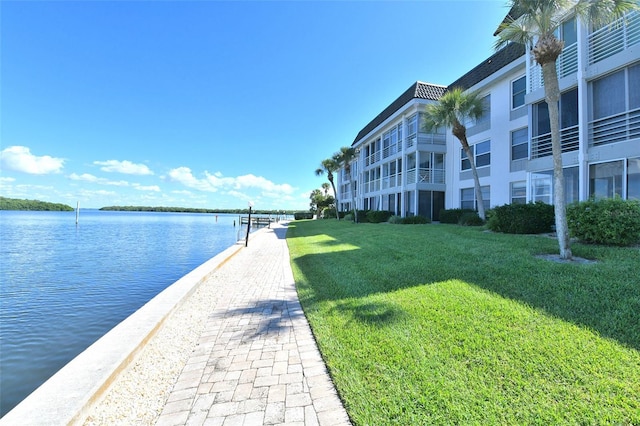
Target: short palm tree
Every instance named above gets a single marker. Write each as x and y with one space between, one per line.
345 157
534 23
453 109
330 166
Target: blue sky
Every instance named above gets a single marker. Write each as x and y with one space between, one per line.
210 104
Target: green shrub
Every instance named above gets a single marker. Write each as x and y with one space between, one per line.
470 219
302 215
362 216
349 217
531 218
609 221
378 216
396 220
415 220
409 220
453 215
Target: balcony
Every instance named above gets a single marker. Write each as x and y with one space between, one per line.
616 128
372 159
389 151
614 38
541 145
425 175
391 181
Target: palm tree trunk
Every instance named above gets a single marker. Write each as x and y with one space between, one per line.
476 180
552 96
335 197
353 200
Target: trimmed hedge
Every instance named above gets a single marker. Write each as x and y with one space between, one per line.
608 221
302 215
470 219
378 216
409 220
531 218
453 215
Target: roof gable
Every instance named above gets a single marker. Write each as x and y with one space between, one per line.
417 90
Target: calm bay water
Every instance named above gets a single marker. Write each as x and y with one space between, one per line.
64 285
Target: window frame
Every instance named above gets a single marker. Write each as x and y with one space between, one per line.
522 78
526 142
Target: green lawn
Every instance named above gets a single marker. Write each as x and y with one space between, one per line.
441 324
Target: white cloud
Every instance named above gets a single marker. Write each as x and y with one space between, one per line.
86 177
125 167
20 159
216 181
252 181
154 188
7 179
184 176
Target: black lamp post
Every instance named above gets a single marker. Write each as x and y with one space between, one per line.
246 240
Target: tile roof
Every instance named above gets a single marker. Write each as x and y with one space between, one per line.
495 62
417 90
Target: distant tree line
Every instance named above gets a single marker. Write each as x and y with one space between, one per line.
36 205
193 210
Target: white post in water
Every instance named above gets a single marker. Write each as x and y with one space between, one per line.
77 212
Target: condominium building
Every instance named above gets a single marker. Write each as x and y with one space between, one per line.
403 169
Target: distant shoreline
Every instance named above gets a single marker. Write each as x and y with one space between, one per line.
37 205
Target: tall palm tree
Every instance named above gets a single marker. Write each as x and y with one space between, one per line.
330 166
453 109
325 188
345 157
534 23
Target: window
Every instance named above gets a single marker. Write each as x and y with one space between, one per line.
541 123
484 119
486 115
634 86
569 109
465 164
609 95
605 179
569 32
518 90
481 152
542 185
633 179
468 198
519 144
412 125
519 192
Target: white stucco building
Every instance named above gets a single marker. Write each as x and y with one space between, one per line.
404 170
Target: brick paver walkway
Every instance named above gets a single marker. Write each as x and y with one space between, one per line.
257 362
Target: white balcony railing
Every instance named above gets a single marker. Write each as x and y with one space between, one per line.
390 150
371 159
541 145
430 138
566 64
615 128
411 176
411 141
614 38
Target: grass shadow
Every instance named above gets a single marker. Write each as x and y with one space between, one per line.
604 296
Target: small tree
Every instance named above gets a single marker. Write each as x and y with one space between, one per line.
345 157
452 110
330 166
